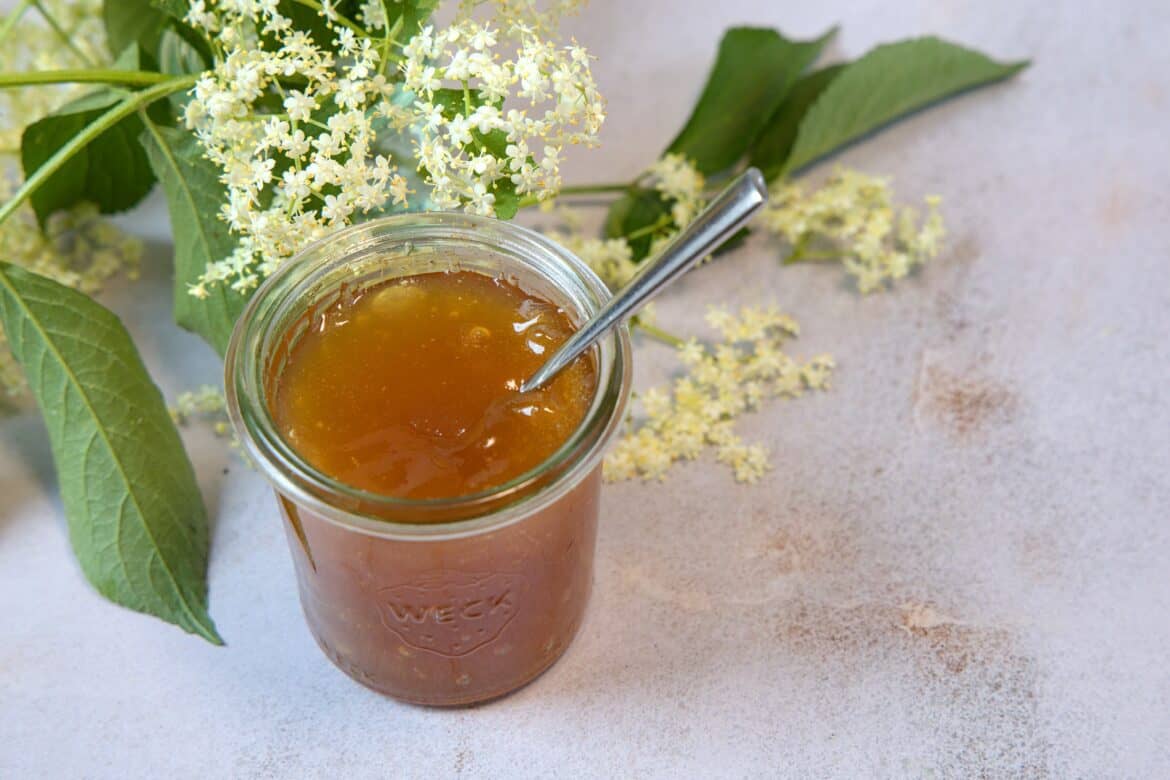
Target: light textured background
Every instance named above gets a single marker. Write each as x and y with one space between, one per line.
995 451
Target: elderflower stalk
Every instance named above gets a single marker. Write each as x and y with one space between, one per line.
11 20
130 78
591 189
658 333
115 114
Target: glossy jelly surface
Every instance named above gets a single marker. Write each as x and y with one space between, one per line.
411 388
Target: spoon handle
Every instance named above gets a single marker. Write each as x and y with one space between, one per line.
715 224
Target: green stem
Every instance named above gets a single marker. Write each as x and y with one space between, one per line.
335 18
389 40
591 189
647 230
10 21
65 37
800 252
132 78
113 116
579 189
655 332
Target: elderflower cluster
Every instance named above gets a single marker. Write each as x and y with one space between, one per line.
295 173
852 218
207 403
721 384
681 184
490 124
78 249
610 258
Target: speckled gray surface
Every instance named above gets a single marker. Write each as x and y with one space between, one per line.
958 567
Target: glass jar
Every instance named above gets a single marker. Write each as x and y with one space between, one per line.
437 601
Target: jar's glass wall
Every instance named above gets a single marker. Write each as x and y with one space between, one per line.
446 601
454 621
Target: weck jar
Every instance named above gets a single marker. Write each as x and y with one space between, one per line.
437 601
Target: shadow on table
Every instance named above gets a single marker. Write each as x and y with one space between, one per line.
26 462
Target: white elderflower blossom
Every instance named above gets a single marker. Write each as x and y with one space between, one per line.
493 126
78 249
721 384
373 15
542 20
852 218
611 259
293 174
682 185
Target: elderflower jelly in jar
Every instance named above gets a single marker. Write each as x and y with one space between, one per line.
442 524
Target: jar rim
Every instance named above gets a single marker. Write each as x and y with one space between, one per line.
246 364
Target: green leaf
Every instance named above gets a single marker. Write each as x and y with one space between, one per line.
634 216
314 23
179 49
133 21
775 141
136 519
111 171
177 56
176 9
194 195
452 102
134 58
753 71
886 83
507 202
410 14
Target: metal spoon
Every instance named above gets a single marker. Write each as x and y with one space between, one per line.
718 222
